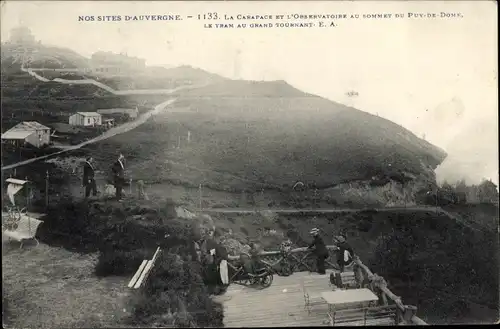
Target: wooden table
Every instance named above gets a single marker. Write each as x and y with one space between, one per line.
350 296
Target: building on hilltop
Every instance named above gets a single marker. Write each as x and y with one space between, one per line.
22 36
86 119
108 63
27 132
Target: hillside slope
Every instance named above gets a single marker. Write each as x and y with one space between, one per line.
273 134
161 78
40 56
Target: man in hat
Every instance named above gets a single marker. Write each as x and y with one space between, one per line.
89 178
118 170
319 249
345 254
210 254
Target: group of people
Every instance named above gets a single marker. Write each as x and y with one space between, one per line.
345 254
212 257
118 177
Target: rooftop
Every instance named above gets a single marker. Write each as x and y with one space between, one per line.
23 130
16 134
89 114
29 125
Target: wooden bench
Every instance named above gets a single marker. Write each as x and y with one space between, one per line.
141 275
372 316
25 230
345 280
312 288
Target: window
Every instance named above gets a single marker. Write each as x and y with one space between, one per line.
88 120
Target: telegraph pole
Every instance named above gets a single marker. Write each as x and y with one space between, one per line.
47 189
200 195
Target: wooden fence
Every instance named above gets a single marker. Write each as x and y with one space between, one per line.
300 259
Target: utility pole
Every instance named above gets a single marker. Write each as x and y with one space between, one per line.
200 195
47 190
437 191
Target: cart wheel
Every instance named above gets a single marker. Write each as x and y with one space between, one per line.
253 281
267 280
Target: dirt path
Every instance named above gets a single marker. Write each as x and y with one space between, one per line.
110 133
318 210
105 87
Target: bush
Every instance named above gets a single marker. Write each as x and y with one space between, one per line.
119 262
175 295
437 255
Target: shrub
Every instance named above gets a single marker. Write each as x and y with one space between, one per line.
119 262
438 255
175 295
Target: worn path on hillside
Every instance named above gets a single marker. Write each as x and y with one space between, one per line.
110 133
108 88
318 210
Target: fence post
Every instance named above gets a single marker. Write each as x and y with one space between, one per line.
384 299
399 316
359 276
200 195
47 190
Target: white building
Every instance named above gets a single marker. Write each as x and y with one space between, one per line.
28 132
86 119
132 113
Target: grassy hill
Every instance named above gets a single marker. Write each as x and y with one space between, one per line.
40 56
26 98
163 78
273 134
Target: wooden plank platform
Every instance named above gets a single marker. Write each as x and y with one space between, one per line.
280 305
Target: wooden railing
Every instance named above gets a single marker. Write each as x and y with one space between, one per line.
301 259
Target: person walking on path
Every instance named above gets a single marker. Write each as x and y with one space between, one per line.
118 170
89 178
319 249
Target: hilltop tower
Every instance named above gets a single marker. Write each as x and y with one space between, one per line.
22 36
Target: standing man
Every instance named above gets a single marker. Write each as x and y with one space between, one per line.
89 178
345 254
210 254
319 249
118 170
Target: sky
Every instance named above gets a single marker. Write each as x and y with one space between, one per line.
436 77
